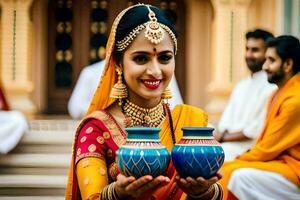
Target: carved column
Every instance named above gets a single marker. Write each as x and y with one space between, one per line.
16 53
228 49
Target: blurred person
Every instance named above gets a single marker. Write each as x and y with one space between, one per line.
271 168
13 125
86 86
243 117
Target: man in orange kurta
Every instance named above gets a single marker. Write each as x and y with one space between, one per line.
271 168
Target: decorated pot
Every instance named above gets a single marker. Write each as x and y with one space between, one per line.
143 153
197 153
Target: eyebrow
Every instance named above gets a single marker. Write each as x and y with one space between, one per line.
148 53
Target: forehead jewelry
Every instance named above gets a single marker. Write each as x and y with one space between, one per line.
154 32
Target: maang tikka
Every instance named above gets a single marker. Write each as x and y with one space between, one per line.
154 32
119 90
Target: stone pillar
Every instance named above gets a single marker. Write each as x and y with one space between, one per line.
228 49
16 53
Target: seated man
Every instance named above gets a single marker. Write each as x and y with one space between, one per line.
87 83
271 168
13 125
243 117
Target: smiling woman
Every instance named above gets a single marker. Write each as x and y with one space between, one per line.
133 92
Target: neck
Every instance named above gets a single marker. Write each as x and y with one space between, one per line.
282 83
145 103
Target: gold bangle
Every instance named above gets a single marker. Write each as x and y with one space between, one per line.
203 194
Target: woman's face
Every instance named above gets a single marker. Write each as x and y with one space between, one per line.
148 69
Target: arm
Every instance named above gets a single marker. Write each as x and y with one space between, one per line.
281 133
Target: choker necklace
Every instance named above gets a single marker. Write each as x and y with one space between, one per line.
138 116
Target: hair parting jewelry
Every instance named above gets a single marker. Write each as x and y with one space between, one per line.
150 117
154 32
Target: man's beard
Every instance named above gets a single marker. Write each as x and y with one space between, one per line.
254 65
276 77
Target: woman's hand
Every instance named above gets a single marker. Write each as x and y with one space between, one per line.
192 186
131 187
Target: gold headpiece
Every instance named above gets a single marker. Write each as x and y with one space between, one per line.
154 32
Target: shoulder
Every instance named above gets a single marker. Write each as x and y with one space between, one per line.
195 116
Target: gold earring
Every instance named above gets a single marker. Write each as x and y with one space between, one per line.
167 94
119 90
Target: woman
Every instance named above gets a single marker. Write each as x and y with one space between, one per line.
140 63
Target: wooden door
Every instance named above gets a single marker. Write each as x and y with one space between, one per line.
78 31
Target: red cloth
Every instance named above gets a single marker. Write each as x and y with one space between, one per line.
3 102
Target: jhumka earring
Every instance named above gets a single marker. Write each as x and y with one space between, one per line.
119 90
167 94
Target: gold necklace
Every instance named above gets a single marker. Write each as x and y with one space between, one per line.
138 116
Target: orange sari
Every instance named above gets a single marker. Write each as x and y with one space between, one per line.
278 147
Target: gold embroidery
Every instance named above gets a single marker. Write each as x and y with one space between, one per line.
117 136
78 151
85 163
88 154
102 171
86 180
106 135
83 139
92 148
100 140
89 130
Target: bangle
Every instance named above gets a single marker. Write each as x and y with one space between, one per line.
109 192
211 188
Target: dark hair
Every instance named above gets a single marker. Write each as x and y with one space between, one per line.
287 46
259 34
135 17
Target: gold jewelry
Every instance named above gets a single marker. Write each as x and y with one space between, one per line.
154 32
119 90
167 94
150 117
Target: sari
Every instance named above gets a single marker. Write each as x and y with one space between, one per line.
92 165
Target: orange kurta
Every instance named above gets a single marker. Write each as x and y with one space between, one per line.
278 147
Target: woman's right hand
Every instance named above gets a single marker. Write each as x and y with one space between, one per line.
130 187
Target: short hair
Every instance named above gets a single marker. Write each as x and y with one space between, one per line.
259 34
287 46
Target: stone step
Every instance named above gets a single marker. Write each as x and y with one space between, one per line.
35 160
47 137
33 181
34 170
32 197
41 148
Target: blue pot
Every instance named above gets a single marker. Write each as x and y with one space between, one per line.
197 153
143 154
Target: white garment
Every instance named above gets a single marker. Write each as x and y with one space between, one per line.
86 86
13 125
254 184
246 111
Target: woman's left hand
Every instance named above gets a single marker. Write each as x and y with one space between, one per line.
196 186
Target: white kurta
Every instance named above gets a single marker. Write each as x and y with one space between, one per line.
13 126
246 112
86 86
